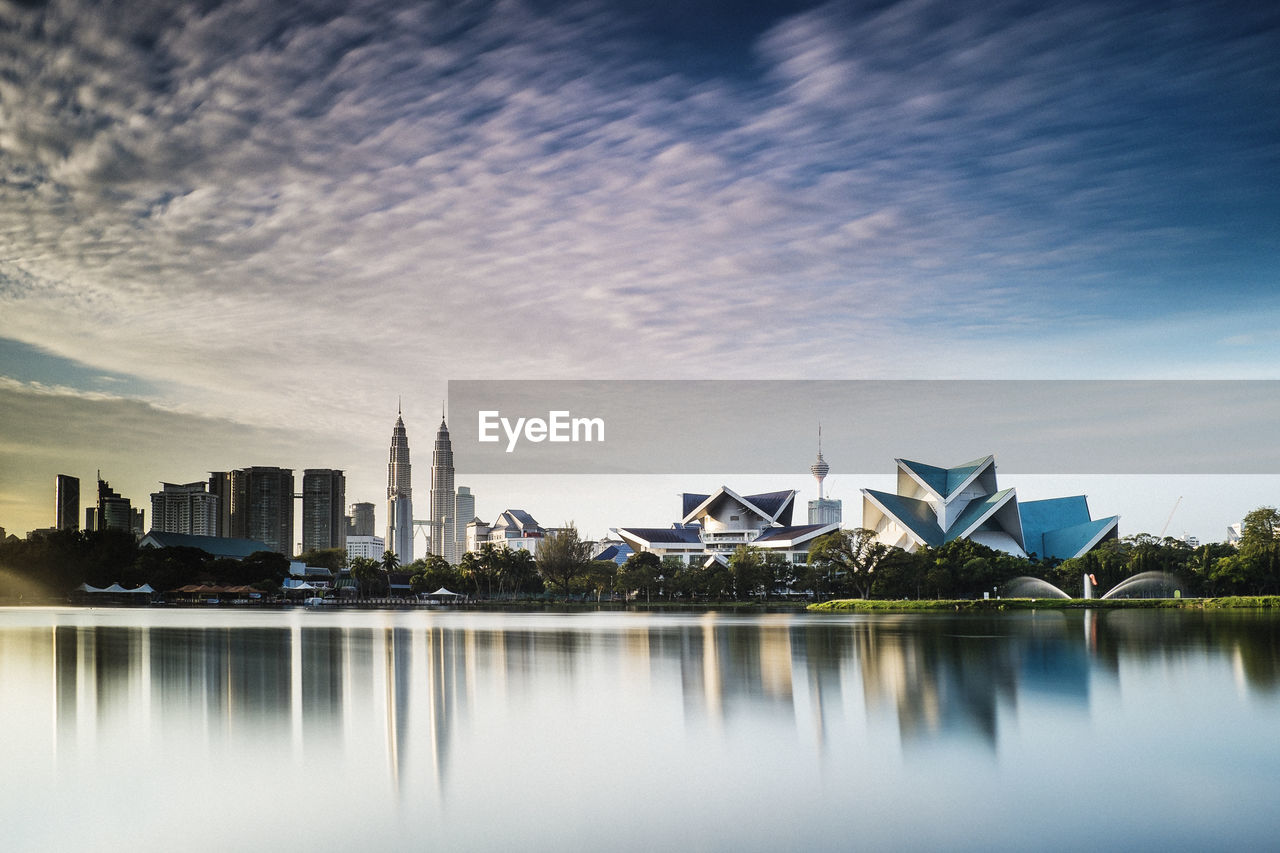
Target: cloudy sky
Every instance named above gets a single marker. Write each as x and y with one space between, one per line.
235 233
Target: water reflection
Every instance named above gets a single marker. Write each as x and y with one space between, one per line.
419 699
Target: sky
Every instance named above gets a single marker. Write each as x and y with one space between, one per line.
238 233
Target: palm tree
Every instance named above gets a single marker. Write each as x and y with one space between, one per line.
390 562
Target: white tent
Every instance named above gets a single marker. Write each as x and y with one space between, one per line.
444 593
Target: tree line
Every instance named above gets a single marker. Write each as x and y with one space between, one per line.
842 564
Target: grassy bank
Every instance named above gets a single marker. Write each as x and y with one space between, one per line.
855 605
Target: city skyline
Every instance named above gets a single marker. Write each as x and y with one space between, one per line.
221 225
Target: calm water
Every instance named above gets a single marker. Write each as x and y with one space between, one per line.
162 730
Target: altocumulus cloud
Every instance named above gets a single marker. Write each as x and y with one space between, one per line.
281 211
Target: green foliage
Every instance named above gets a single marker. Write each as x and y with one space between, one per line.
333 559
433 572
845 560
748 575
563 558
642 572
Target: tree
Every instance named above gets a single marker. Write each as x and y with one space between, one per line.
1260 528
851 555
642 572
333 559
260 566
563 557
747 570
431 573
368 575
390 562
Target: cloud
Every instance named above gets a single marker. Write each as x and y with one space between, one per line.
291 213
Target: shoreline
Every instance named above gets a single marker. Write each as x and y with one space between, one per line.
1234 602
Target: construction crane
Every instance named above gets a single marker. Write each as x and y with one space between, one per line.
1170 518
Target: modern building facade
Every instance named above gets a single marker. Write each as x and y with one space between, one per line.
66 502
370 547
187 508
400 495
713 526
324 496
932 506
443 510
464 512
220 487
114 512
262 506
360 522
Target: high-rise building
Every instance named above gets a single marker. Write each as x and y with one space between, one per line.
114 512
368 547
824 510
220 485
187 508
464 512
400 495
443 543
360 522
262 506
67 502
324 494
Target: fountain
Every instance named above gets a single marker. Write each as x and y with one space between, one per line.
1144 585
1025 587
1147 585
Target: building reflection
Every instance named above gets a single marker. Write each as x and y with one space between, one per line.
415 689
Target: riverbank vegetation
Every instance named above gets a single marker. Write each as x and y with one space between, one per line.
848 564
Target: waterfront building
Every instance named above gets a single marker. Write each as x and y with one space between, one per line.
360 522
370 547
324 494
713 526
613 548
66 502
262 506
464 510
514 529
186 508
932 506
400 495
443 527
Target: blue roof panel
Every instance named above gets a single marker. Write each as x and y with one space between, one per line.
915 515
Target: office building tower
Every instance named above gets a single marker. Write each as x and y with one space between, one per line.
262 506
67 502
220 487
368 547
360 522
114 512
442 496
400 495
324 494
187 508
464 512
824 510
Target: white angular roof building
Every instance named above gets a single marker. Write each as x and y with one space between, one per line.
713 526
932 506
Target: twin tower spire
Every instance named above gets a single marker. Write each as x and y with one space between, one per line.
400 520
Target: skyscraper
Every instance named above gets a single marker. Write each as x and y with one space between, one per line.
262 506
464 512
67 502
360 521
400 495
324 494
823 510
114 511
442 497
186 508
220 485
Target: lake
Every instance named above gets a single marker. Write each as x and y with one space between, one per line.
157 729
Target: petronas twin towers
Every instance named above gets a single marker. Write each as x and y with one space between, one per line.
400 496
